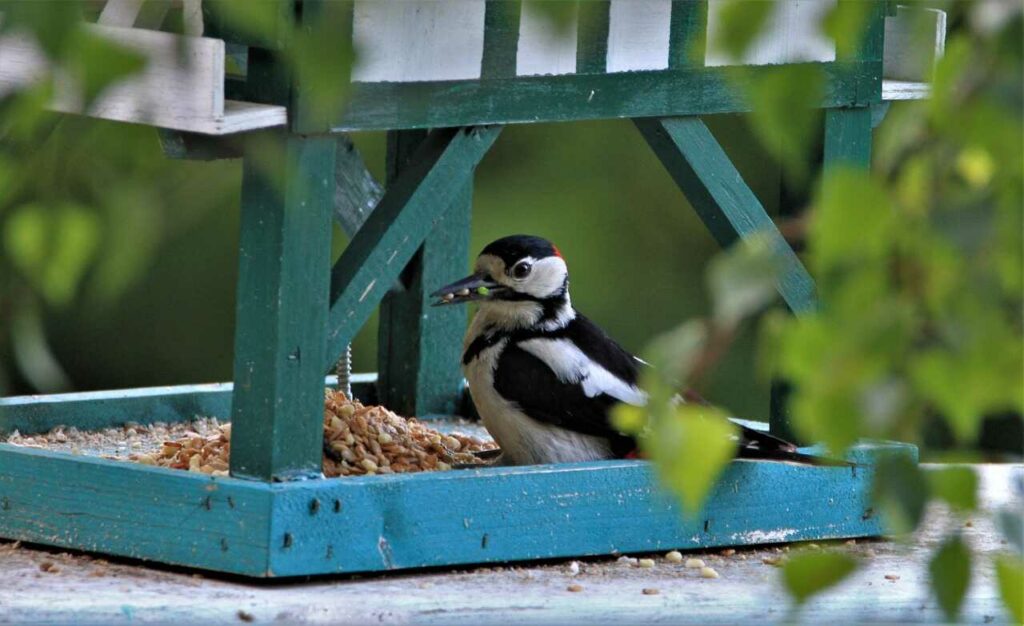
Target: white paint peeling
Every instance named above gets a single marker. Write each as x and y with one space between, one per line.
764 536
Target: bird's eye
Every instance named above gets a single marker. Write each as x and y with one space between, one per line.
521 270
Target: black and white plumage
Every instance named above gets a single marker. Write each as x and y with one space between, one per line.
542 376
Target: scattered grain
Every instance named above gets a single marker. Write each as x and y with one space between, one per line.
694 564
892 577
575 588
675 556
646 563
708 572
728 552
650 591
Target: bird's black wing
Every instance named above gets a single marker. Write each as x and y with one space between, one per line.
532 383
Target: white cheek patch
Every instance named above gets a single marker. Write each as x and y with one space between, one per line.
546 279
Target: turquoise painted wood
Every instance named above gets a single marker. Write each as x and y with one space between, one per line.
132 510
592 37
687 33
530 99
419 346
393 522
92 410
723 201
412 206
284 265
848 137
501 39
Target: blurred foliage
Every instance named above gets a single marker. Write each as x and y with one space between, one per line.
118 266
810 573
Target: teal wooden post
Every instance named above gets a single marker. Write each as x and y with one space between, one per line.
283 283
419 346
412 206
723 201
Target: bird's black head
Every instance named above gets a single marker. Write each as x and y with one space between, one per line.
514 268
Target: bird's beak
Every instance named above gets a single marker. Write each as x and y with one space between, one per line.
475 287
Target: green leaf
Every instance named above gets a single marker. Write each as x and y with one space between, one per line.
691 447
52 23
742 280
950 571
900 493
98 63
784 116
810 573
52 246
672 355
1010 573
957 485
845 24
739 23
260 20
628 418
855 221
561 13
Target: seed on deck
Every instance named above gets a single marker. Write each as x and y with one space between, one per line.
647 563
675 556
708 572
694 563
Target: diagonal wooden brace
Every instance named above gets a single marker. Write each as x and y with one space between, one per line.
725 203
407 213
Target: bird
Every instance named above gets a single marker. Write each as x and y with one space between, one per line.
543 376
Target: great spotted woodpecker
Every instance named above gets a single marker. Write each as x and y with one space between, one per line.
542 376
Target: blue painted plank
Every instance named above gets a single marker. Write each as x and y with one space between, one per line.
509 514
92 410
136 511
416 520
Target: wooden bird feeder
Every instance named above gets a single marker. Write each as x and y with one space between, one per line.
464 68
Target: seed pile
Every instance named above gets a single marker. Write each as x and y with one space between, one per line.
358 440
362 439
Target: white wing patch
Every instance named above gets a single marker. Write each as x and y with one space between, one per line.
571 365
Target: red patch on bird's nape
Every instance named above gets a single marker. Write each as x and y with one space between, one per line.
558 253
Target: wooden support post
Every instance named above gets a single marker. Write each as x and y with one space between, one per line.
419 346
688 33
283 283
412 206
848 137
723 201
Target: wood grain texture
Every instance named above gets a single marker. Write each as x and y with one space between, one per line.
723 201
284 268
411 207
418 345
792 34
686 91
131 510
543 48
509 514
92 410
848 137
375 523
639 37
181 86
418 40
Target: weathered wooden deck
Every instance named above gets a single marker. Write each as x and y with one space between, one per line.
40 586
